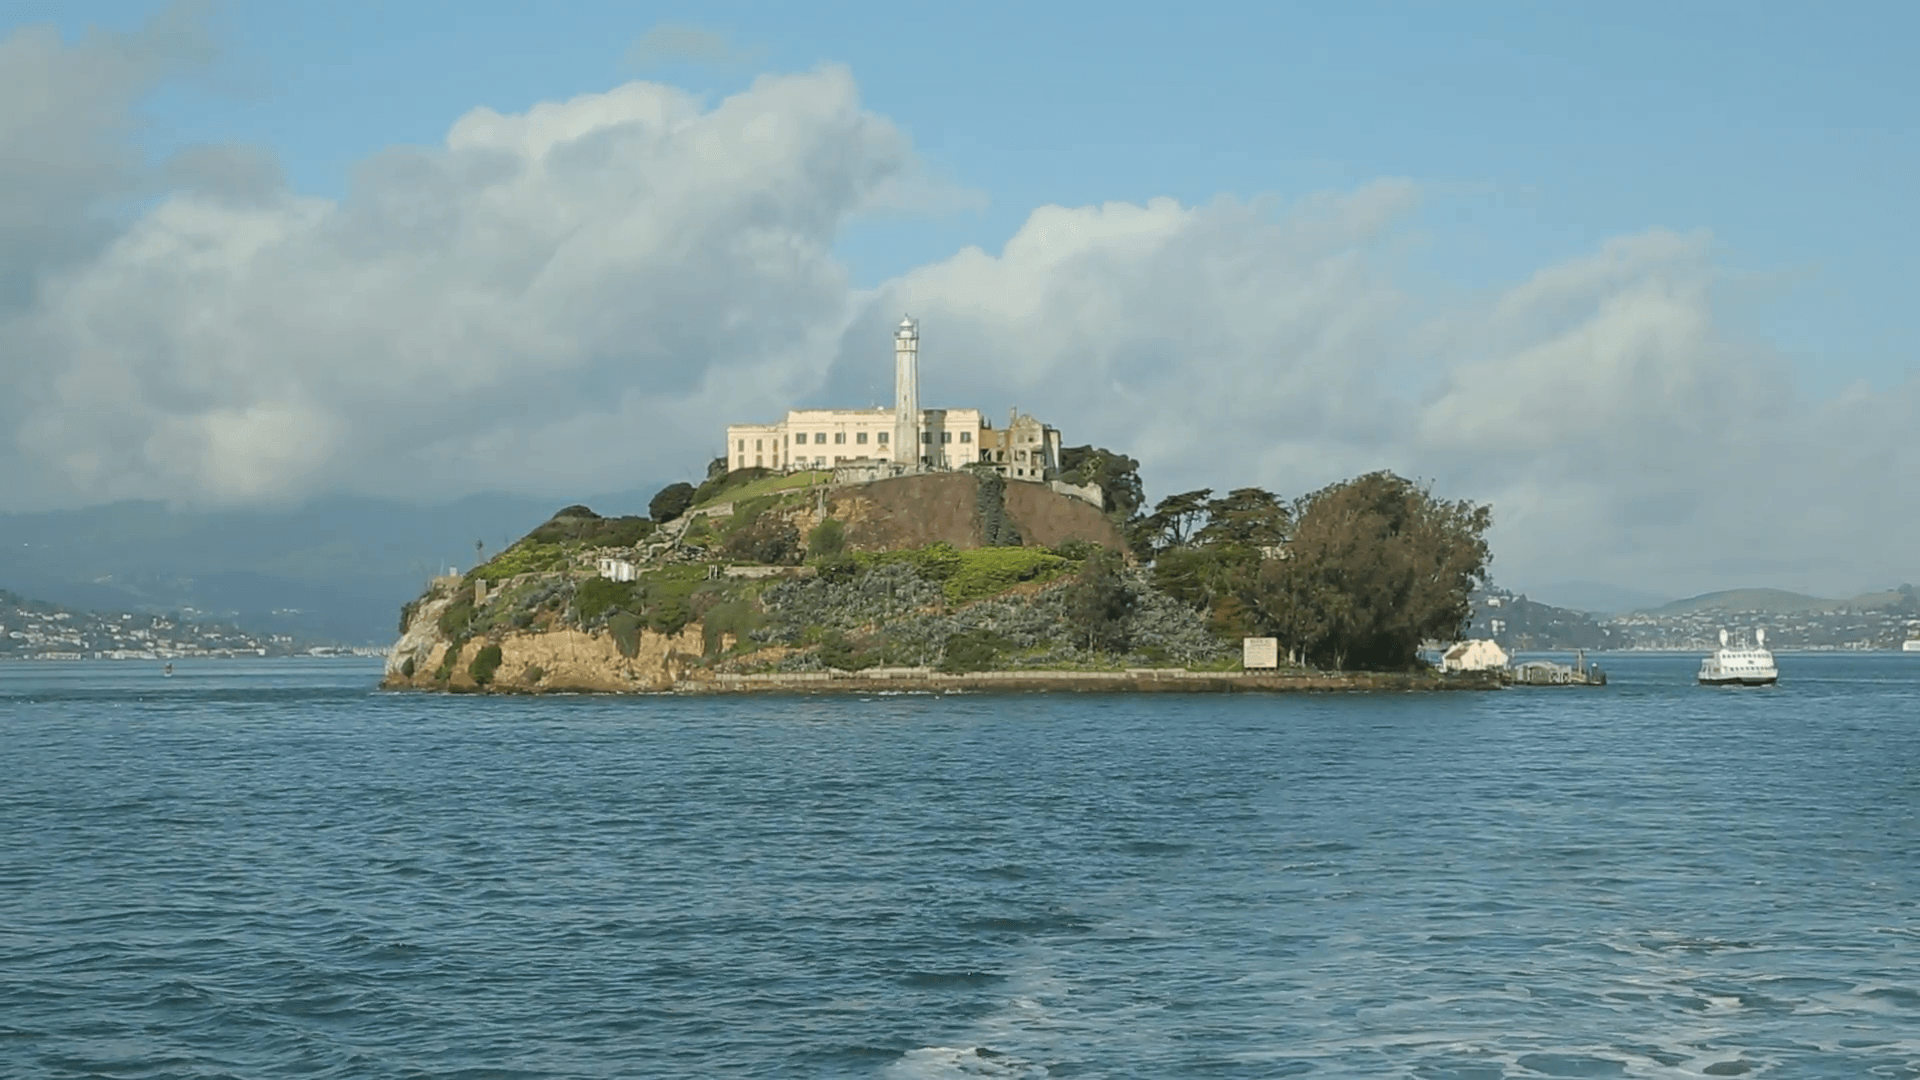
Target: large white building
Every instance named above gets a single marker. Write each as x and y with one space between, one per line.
900 440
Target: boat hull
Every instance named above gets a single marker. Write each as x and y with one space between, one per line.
1735 680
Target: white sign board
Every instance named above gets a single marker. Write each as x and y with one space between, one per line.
1259 652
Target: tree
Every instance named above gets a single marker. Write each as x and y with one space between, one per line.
1248 517
1172 525
670 502
1099 601
1117 475
1376 565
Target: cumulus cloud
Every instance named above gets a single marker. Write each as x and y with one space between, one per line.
559 297
65 114
1620 430
577 297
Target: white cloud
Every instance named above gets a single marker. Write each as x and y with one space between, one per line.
1621 432
561 297
577 297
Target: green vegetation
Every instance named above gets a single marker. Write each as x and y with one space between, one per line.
985 572
1377 565
406 668
1354 575
974 650
1099 602
827 539
1117 475
448 659
529 556
764 485
724 614
625 628
485 663
457 618
669 616
670 502
580 524
597 596
990 503
753 535
724 481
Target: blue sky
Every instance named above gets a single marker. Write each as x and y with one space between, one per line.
1536 131
1606 266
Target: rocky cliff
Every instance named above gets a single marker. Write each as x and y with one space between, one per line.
946 572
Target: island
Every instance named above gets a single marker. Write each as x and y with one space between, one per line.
804 580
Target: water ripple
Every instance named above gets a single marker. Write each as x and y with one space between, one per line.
261 869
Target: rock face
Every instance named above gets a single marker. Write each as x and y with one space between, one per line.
555 660
914 511
546 644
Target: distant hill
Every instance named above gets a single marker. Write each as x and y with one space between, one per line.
1518 622
335 569
1781 602
1767 601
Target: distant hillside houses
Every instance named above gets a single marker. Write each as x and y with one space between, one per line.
899 441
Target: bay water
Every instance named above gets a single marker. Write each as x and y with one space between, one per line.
268 868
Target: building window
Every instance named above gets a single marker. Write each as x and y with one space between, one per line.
757 461
798 438
819 436
840 438
756 444
966 436
986 455
819 461
946 436
860 437
743 463
926 438
881 438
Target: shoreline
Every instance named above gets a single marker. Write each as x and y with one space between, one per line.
921 681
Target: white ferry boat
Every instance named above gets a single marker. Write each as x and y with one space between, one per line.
1910 645
1742 666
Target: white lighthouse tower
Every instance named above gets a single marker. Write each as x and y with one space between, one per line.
906 395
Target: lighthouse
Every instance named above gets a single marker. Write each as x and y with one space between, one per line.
906 395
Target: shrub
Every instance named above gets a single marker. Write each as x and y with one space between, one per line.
625 628
528 556
485 663
457 616
937 562
597 596
448 659
838 652
1099 603
670 502
829 538
766 540
734 616
670 616
534 674
406 668
1077 550
973 650
838 569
